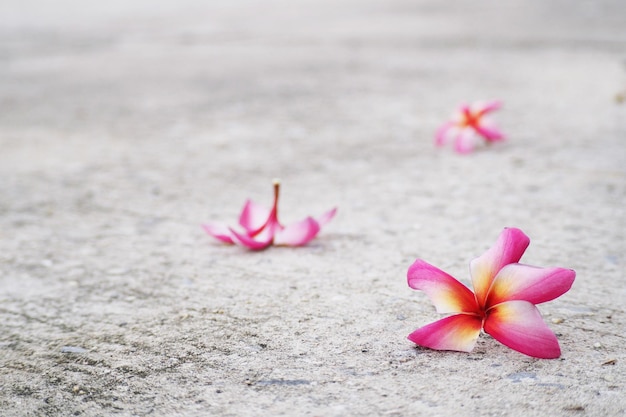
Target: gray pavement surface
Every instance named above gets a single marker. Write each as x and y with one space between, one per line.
124 125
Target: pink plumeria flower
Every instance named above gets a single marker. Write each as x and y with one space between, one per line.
262 228
468 124
502 304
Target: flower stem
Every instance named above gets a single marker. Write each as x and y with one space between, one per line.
276 182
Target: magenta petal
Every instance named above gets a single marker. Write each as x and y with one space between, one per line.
464 142
491 133
458 332
529 283
261 242
253 216
508 249
297 234
218 231
326 217
441 135
463 109
518 325
487 107
447 294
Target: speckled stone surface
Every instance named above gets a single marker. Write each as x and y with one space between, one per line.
125 126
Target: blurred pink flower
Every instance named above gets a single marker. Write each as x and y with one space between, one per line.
503 301
467 124
262 228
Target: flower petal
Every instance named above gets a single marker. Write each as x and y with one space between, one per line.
529 283
482 108
261 241
489 132
297 234
447 294
442 133
218 231
465 140
458 332
253 216
518 325
508 249
326 217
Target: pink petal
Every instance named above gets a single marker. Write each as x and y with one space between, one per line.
465 141
491 133
529 283
487 107
258 243
297 234
518 325
441 135
253 216
218 231
447 294
458 332
463 110
326 217
508 249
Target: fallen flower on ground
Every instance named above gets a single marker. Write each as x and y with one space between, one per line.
262 228
502 304
468 123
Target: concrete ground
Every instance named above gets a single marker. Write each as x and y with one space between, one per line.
124 125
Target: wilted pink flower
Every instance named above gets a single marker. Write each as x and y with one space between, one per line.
262 228
467 124
503 301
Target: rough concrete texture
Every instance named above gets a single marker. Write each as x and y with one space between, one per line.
124 125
